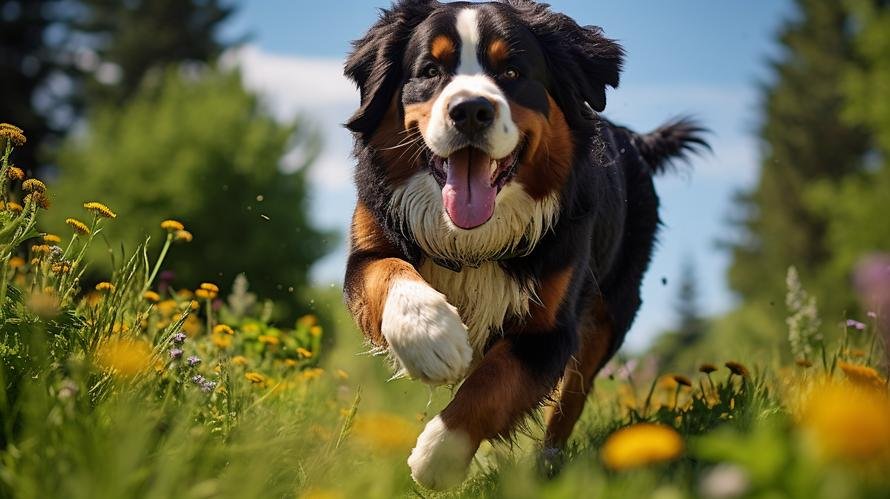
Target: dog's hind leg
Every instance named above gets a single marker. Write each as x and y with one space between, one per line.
596 336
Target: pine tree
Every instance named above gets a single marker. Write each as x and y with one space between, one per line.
690 324
141 38
33 60
805 142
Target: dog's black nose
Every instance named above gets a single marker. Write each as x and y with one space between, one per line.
471 115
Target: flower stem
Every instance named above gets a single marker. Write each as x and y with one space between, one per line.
158 263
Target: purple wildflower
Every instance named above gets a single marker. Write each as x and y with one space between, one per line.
193 361
179 338
176 353
855 325
198 379
208 386
872 315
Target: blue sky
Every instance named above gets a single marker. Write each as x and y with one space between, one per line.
697 57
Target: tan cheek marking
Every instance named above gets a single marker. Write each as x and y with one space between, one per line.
549 151
498 52
390 139
542 313
443 49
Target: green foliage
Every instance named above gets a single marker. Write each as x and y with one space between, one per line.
202 150
806 142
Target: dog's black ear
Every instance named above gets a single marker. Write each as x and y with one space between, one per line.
582 60
375 64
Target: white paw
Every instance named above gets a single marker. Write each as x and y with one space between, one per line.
425 333
441 457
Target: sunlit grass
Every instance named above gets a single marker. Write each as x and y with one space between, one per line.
131 388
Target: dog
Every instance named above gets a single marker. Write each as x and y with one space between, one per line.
502 227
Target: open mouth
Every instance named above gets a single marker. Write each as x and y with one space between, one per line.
470 180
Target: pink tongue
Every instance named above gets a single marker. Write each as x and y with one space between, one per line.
468 195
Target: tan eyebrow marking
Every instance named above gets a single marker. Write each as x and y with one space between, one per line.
498 52
442 49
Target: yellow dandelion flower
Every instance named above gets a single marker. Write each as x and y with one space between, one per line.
308 320
209 286
99 209
45 305
707 368
105 287
41 249
185 294
310 374
14 207
255 377
223 329
384 432
682 380
862 375
33 185
125 358
205 294
11 127
38 198
268 339
341 374
303 353
16 262
15 173
641 444
182 236
167 307
118 327
194 305
239 360
737 368
191 326
13 133
849 424
78 226
290 362
221 340
51 239
151 296
172 225
315 331
61 267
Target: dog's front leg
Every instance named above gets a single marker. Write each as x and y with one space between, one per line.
513 378
397 309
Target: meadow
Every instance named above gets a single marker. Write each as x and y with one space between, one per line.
131 388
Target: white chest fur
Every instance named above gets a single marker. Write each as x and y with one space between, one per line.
482 292
483 296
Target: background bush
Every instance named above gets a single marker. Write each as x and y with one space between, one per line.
200 148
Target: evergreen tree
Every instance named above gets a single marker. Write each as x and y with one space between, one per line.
690 324
140 38
35 64
805 142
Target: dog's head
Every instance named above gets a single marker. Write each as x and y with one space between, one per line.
480 96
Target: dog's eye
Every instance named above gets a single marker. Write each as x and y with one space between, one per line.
431 71
510 74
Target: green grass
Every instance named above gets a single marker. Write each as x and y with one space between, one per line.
95 406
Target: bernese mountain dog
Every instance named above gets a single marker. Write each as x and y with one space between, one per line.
502 227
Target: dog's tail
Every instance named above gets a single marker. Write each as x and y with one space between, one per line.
675 140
